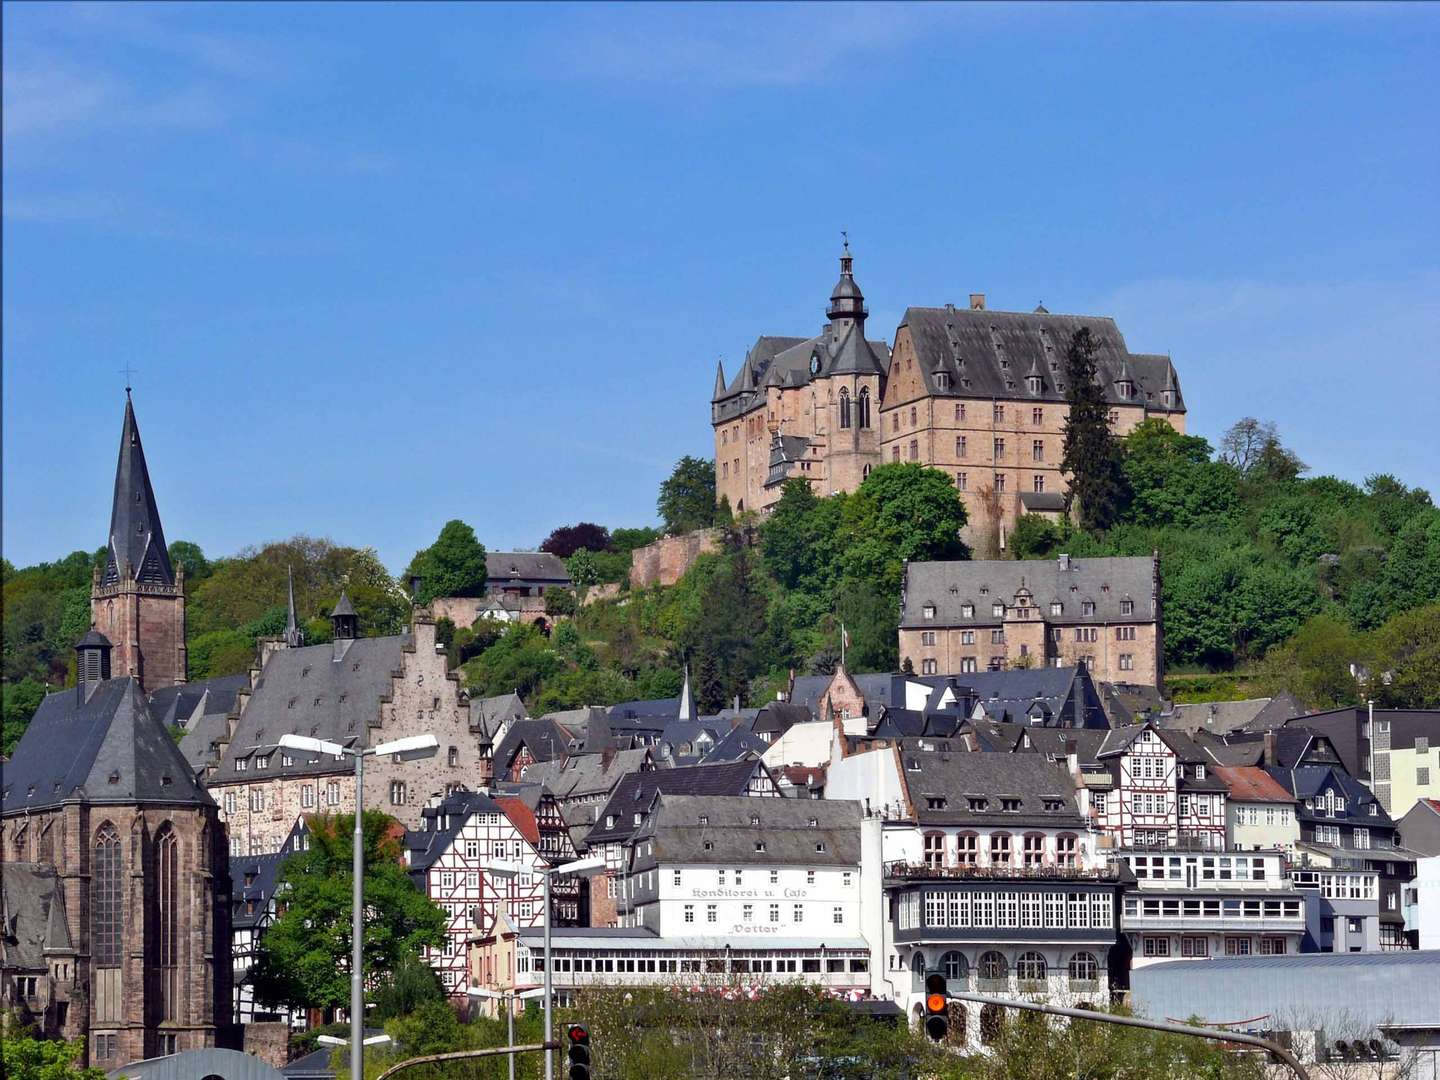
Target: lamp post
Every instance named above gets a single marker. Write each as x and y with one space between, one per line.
579 866
409 748
509 998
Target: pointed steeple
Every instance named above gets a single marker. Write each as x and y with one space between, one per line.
846 300
687 702
294 637
719 381
344 620
137 542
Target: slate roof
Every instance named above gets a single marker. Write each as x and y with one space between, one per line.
106 748
662 709
137 539
32 915
637 791
503 566
1306 781
253 877
687 742
1222 717
489 714
990 353
177 704
874 687
545 737
443 823
950 585
308 691
1052 696
587 775
913 723
958 777
778 717
720 829
785 450
735 744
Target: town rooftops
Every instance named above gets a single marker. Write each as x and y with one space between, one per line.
736 830
636 792
102 748
939 593
1222 717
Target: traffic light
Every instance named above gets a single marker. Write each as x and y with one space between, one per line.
937 1007
577 1053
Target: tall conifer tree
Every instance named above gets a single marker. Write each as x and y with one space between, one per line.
1092 453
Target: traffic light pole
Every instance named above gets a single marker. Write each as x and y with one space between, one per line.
1139 1022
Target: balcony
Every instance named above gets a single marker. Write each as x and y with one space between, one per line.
907 871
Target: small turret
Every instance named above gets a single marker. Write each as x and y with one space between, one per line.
719 381
294 636
92 662
343 619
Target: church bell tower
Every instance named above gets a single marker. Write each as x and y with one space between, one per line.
137 600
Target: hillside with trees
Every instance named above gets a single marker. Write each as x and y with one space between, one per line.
1271 580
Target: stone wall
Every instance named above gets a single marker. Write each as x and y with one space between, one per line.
146 627
668 559
269 1041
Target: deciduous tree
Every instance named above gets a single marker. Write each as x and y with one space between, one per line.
452 566
687 496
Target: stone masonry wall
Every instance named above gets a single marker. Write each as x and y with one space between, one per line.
668 559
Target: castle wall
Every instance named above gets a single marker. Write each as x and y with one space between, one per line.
668 559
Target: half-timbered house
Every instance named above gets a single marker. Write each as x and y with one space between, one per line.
1153 788
477 857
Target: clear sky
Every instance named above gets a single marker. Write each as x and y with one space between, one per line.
379 266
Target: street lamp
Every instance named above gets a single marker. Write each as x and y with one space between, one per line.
410 747
331 1040
508 997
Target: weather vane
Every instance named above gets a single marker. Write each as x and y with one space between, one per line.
127 371
845 235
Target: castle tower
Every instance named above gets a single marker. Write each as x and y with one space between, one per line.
138 600
848 382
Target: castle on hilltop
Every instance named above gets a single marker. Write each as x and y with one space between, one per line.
978 394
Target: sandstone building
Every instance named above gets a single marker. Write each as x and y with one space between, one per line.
116 885
976 393
964 616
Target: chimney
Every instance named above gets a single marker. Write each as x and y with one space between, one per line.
977 301
1269 755
1064 561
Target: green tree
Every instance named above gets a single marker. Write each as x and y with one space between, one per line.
566 540
1172 481
452 566
1314 664
582 569
1092 454
187 554
687 496
723 637
20 700
23 1056
1407 648
1034 537
901 513
798 538
519 661
303 961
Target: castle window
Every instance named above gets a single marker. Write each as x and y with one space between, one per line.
452 758
1034 384
397 792
1039 483
914 416
844 408
1037 416
928 611
864 404
998 610
967 610
895 452
960 446
999 482
1127 607
1057 608
998 413
962 481
1125 388
895 421
1037 450
914 449
999 449
1087 607
960 411
865 472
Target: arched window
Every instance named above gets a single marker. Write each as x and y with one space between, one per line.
20 846
864 407
106 898
844 407
917 962
955 966
1030 967
1084 969
993 967
167 890
991 1020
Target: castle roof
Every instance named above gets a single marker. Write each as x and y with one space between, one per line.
103 747
989 353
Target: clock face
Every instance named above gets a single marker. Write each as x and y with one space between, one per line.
815 364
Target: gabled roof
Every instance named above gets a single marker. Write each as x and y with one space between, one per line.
636 792
489 714
738 742
502 566
735 831
587 775
1249 783
957 778
443 823
1222 717
545 737
105 748
176 704
949 586
137 540
329 692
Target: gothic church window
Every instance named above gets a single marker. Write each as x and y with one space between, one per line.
106 898
844 408
167 864
864 407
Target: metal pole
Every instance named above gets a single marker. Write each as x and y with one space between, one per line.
549 984
357 927
460 1055
510 1030
1154 1025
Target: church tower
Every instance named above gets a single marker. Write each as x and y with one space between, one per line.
138 600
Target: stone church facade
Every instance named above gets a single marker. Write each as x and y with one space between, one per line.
978 394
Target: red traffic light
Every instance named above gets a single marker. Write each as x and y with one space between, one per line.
578 1033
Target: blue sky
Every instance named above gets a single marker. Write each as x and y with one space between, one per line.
381 266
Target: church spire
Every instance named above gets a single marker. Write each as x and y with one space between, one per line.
137 542
293 636
687 701
846 299
719 381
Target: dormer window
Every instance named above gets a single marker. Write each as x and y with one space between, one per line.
1087 607
820 847
942 380
759 845
977 805
1057 608
967 610
935 802
928 611
1199 772
1125 388
1034 384
704 819
1127 607
754 821
998 610
814 823
1010 806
